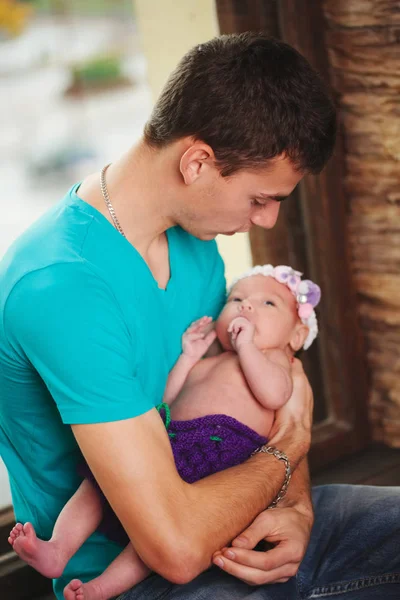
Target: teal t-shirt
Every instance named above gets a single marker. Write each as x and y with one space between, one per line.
86 336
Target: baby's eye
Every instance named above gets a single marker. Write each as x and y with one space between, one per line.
236 299
269 303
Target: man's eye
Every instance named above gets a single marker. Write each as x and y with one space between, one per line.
255 202
269 303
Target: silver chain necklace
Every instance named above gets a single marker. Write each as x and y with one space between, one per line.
107 200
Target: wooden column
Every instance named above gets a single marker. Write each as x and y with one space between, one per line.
311 235
363 38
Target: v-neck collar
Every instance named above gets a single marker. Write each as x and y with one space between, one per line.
89 209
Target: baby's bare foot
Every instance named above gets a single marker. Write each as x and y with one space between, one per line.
15 533
45 557
76 590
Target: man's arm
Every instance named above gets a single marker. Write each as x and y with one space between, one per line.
79 344
176 527
299 492
287 527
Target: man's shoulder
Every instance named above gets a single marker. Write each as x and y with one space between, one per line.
55 239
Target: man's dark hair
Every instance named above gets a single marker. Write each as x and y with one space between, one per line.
251 98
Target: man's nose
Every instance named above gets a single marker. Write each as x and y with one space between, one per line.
246 306
268 216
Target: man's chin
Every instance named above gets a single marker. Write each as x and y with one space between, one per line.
205 237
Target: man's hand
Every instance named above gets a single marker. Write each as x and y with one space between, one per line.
295 415
198 338
287 529
241 332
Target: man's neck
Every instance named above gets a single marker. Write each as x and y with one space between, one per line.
134 186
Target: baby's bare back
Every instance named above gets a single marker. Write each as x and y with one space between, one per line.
217 385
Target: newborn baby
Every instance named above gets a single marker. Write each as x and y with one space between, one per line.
217 412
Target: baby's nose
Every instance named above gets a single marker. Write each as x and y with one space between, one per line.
246 306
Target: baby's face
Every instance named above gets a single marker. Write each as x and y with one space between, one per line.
266 303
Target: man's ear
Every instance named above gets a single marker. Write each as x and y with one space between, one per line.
299 336
195 160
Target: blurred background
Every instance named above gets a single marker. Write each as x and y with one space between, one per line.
77 82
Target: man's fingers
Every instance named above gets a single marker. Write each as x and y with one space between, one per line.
254 576
279 556
255 532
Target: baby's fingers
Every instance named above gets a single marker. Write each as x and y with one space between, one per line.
210 337
192 337
199 324
232 327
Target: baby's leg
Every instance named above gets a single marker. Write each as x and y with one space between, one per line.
78 519
123 573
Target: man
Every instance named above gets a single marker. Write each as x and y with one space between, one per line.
94 298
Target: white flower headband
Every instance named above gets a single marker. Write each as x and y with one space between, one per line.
307 294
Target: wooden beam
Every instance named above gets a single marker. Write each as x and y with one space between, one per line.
311 235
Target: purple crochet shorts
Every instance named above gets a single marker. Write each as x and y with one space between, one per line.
200 446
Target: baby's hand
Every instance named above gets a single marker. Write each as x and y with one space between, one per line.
242 332
198 338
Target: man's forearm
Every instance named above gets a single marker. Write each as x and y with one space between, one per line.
198 519
233 498
216 509
175 526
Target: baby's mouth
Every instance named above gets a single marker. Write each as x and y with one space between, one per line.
245 316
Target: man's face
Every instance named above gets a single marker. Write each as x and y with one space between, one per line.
227 205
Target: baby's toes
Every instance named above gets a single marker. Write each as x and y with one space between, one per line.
16 531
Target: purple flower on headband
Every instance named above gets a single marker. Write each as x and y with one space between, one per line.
288 276
308 292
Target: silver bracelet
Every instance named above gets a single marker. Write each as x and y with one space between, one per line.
288 471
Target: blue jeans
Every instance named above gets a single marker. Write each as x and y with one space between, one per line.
354 554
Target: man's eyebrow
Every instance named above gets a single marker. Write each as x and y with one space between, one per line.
277 197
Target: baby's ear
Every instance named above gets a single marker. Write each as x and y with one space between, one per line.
299 336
